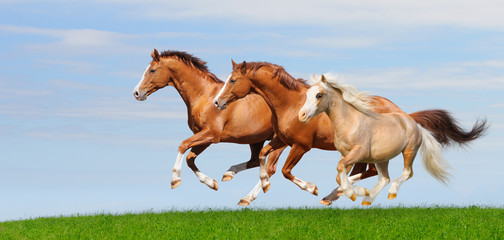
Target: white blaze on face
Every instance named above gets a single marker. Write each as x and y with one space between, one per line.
137 87
222 89
310 103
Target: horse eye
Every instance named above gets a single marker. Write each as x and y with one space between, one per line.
232 81
152 70
319 95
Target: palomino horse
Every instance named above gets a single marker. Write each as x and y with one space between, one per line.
197 87
285 95
361 135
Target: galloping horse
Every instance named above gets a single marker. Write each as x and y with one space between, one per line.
285 95
363 136
197 87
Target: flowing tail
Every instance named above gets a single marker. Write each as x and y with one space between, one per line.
446 129
433 161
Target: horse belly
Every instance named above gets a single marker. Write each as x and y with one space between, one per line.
387 145
247 126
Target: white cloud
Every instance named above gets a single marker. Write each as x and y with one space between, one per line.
72 37
463 76
472 13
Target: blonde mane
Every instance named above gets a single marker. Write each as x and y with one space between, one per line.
359 100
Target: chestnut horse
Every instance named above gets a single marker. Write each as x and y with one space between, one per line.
285 95
197 87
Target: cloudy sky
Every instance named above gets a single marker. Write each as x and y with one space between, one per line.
74 140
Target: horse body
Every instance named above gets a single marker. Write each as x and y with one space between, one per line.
247 122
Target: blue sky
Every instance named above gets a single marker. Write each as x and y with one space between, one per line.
73 140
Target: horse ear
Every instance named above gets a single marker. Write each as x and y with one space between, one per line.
234 64
323 79
155 55
243 65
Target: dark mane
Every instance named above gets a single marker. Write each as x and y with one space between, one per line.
192 61
284 77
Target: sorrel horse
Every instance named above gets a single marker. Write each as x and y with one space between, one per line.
285 95
361 135
197 87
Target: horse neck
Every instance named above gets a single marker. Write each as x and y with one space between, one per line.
278 97
343 115
193 85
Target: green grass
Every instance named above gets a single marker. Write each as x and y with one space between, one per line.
328 223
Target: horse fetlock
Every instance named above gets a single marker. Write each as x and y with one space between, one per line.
266 186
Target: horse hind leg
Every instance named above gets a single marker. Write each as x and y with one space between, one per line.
383 180
409 156
270 169
255 149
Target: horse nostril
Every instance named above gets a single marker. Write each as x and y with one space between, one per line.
136 94
216 103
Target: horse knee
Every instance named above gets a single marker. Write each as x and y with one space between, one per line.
271 171
341 167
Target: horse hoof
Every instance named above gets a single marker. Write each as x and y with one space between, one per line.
353 197
316 191
175 184
366 203
367 193
392 196
325 202
266 189
215 185
243 203
226 178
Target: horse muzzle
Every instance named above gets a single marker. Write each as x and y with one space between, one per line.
219 105
139 96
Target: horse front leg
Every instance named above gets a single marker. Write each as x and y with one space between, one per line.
270 169
202 138
358 173
255 149
292 160
355 154
275 143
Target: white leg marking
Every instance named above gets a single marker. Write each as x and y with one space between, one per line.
394 186
263 174
337 192
346 185
177 167
355 178
205 179
307 186
382 182
236 169
254 193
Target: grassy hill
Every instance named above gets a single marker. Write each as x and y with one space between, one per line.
327 223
